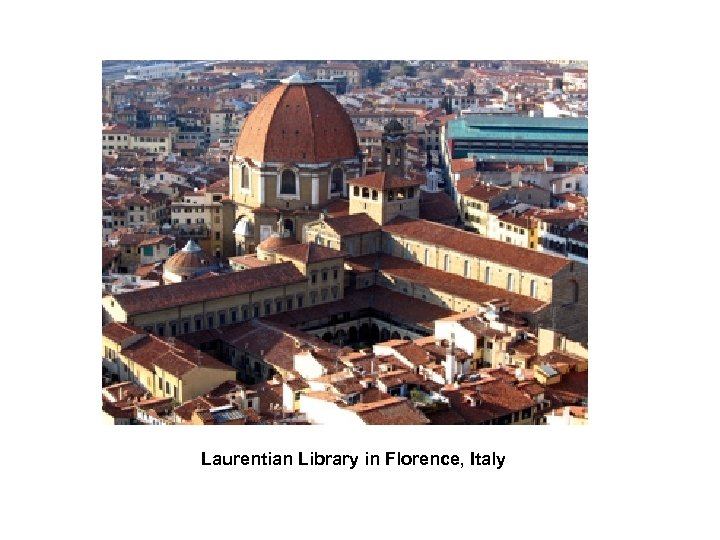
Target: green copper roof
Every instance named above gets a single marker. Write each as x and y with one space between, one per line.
524 158
518 128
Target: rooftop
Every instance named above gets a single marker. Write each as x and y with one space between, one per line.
309 253
352 224
187 292
384 180
468 289
477 246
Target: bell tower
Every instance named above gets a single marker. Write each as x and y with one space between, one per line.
393 148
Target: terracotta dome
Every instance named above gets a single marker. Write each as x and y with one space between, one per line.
297 121
274 242
190 260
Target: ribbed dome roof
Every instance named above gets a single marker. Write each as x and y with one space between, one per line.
273 242
297 121
190 259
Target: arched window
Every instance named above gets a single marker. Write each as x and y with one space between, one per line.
287 185
365 193
336 181
356 191
374 195
244 178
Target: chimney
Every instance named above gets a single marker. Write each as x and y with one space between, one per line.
450 363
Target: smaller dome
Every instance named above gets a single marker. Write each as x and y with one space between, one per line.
191 260
275 241
394 125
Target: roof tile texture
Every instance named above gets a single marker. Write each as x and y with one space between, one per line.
477 246
297 122
187 292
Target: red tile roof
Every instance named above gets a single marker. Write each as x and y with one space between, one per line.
392 411
476 245
498 398
384 180
413 353
188 292
470 188
300 123
108 254
273 242
461 165
352 224
572 388
274 342
338 207
400 306
437 207
186 410
177 358
251 261
309 253
119 332
468 289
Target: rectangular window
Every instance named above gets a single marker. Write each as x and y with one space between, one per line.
278 306
198 324
488 274
289 304
300 300
221 318
217 235
210 321
335 274
533 288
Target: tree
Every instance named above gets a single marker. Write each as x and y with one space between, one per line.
374 75
447 105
